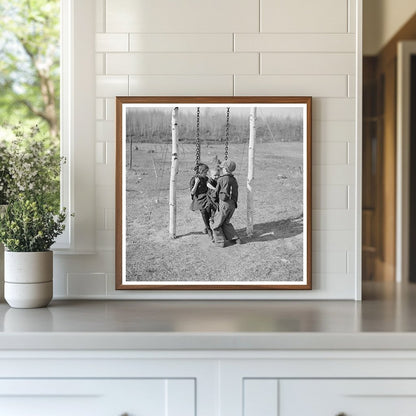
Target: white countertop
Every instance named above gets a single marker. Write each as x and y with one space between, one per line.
383 321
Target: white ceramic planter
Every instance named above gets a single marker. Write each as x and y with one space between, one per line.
28 279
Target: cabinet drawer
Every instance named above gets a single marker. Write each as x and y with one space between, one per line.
86 397
349 397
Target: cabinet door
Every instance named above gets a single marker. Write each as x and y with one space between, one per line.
347 397
86 397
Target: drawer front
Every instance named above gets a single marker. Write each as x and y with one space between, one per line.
347 397
115 397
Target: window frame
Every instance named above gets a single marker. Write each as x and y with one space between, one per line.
77 103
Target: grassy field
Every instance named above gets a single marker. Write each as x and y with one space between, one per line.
273 253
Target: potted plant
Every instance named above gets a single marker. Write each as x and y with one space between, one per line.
5 181
28 229
32 220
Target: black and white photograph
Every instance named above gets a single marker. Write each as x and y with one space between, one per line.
213 193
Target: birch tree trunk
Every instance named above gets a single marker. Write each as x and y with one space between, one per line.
250 174
173 175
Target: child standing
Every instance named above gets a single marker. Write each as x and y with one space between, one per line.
212 197
227 192
200 201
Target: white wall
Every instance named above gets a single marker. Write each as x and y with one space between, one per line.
381 20
233 47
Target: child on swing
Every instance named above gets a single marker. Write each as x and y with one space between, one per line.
199 194
227 193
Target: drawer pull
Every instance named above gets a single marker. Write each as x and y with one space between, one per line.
341 414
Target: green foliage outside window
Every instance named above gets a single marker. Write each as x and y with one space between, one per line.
30 86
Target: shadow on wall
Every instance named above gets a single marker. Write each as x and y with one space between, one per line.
275 230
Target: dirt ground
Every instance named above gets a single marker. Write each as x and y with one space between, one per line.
273 253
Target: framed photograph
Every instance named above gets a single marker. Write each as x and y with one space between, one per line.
213 193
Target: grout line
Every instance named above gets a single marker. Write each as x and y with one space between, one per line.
104 17
260 64
348 153
260 22
348 16
348 197
233 84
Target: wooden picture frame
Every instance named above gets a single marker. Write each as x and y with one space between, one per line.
160 242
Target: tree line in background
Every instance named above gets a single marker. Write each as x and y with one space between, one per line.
154 126
30 64
30 93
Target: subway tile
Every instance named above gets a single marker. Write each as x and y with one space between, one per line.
100 218
182 16
351 86
333 175
351 153
111 86
294 42
330 153
99 63
340 109
330 197
182 63
110 218
181 42
329 262
105 131
351 262
105 240
60 284
333 240
100 15
309 85
333 220
86 284
333 130
99 109
100 152
300 16
105 175
181 85
110 153
110 109
105 196
307 63
112 42
352 19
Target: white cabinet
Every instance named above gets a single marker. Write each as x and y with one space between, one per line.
349 397
207 383
82 397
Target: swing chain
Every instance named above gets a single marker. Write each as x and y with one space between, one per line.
227 134
198 142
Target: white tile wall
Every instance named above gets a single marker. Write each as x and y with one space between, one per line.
182 63
233 47
181 42
314 85
311 63
294 42
181 85
182 16
300 16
